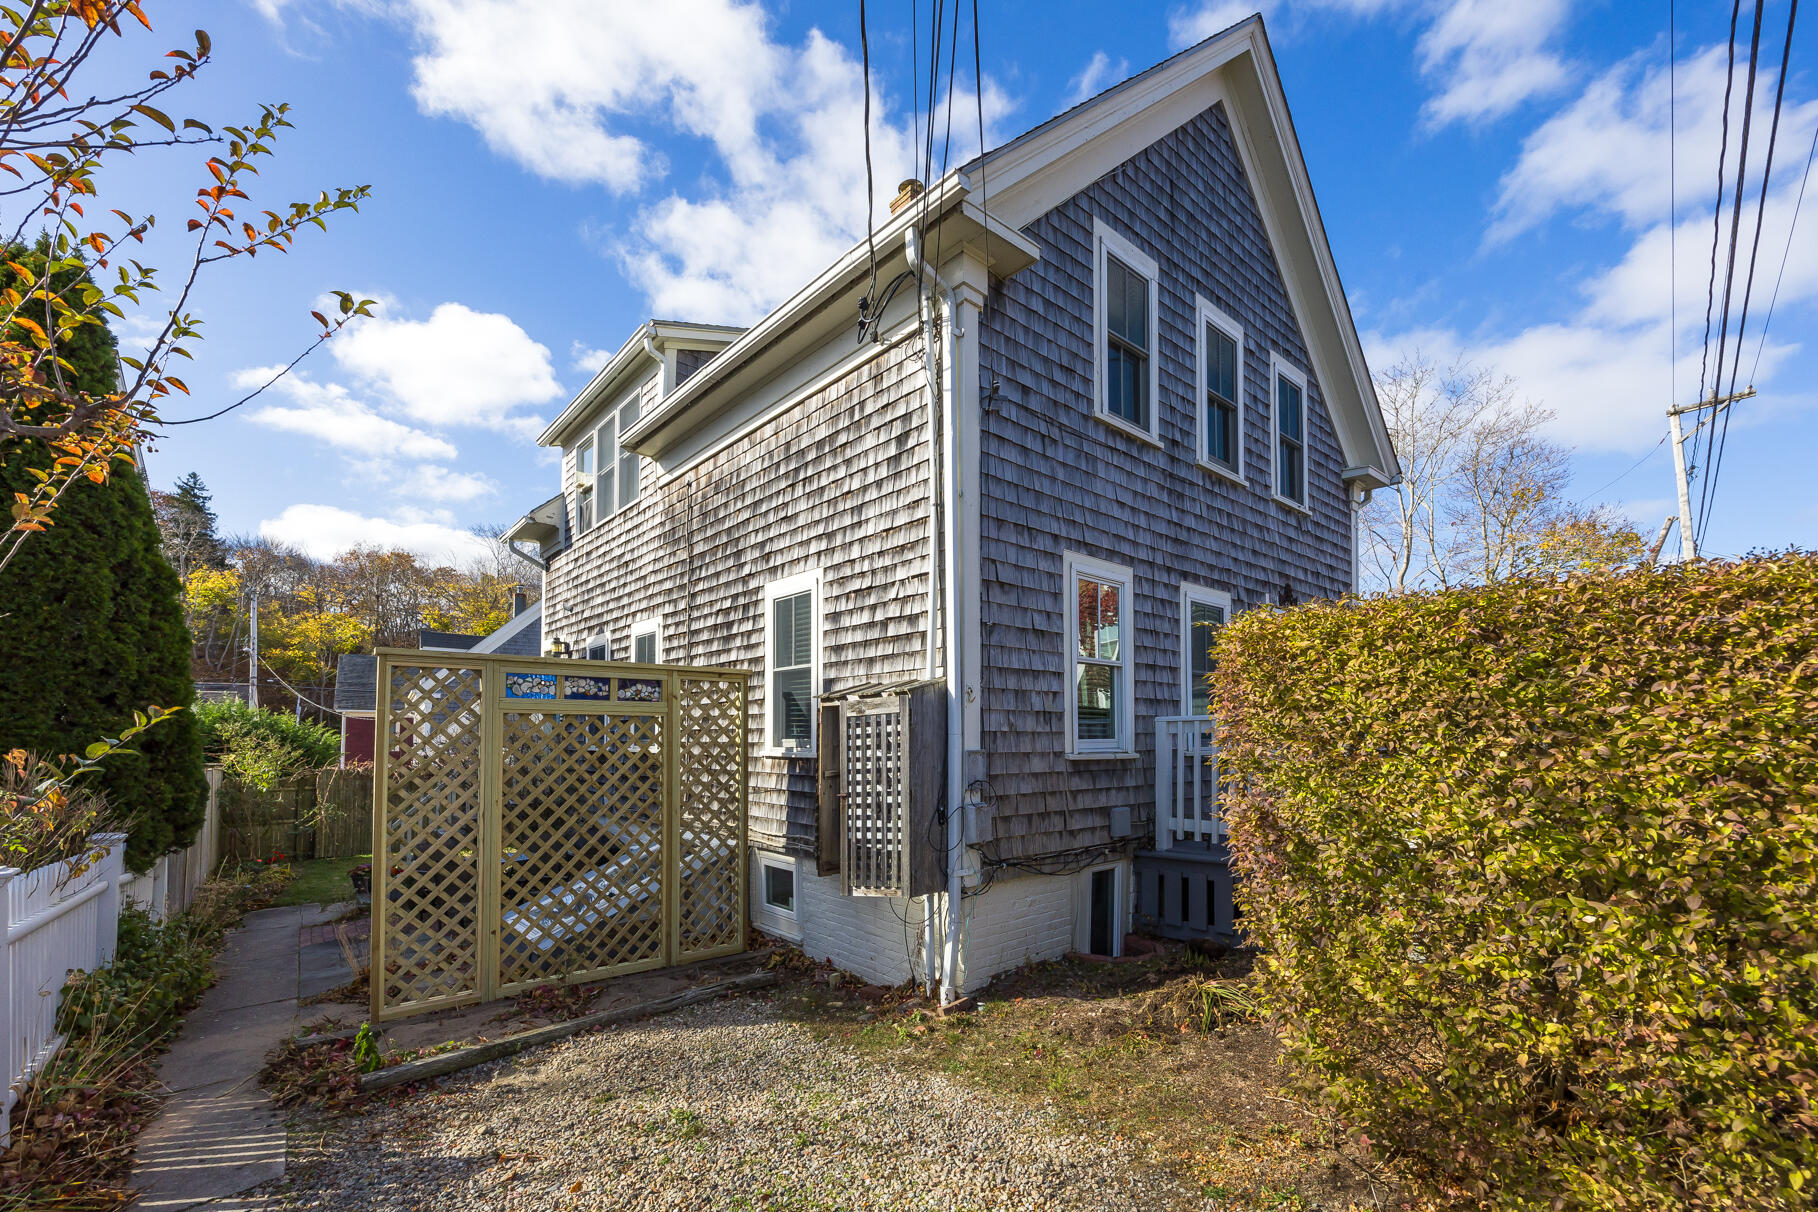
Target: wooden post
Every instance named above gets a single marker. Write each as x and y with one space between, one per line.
492 826
8 1041
381 859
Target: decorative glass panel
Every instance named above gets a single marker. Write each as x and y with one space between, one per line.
1096 687
586 688
640 690
530 685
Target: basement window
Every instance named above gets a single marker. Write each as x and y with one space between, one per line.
778 876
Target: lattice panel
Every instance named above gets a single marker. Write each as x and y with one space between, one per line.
711 773
581 830
429 915
876 790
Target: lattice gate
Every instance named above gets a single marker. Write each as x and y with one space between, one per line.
543 821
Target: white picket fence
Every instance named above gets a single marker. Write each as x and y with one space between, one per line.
58 917
170 885
66 916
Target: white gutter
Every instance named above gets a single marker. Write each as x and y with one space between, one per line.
947 394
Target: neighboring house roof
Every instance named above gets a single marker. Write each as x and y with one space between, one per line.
446 641
1037 171
521 636
356 682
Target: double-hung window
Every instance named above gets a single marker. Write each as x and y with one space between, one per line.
1124 310
792 662
1289 428
1221 375
583 486
1100 718
618 467
647 642
1202 612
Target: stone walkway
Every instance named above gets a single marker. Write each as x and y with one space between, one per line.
220 1133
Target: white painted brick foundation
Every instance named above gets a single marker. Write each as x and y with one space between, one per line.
1018 920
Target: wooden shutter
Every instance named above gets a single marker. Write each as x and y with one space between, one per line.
830 813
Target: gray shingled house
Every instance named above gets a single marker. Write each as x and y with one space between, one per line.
1107 391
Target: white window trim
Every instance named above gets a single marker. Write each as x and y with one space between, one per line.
587 480
1082 907
1108 240
1190 595
789 587
600 638
766 861
1123 745
1206 315
651 627
1279 368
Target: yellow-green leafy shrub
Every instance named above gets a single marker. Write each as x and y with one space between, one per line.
1533 866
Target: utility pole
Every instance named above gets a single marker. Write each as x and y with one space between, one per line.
252 669
1688 541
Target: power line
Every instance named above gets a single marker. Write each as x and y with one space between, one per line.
1723 155
1787 252
870 187
1729 273
1748 287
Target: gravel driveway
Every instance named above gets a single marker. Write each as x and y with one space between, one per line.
718 1106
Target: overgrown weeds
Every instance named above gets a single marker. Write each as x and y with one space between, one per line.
73 1126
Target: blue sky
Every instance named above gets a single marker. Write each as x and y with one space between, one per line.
1493 177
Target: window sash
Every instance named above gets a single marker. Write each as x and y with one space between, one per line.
1221 370
1100 650
583 508
1128 390
1203 621
779 887
643 648
792 669
1290 440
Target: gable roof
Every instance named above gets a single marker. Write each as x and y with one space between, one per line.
635 356
1008 187
1043 167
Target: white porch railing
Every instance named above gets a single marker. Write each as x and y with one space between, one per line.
58 917
1186 781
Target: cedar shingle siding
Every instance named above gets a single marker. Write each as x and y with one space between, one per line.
1055 478
837 482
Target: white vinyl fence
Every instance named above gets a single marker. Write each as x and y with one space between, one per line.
58 917
66 916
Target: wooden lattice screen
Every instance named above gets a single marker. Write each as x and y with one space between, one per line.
542 821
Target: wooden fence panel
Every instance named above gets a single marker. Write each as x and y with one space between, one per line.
343 815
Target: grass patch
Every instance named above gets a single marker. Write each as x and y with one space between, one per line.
321 881
1168 1053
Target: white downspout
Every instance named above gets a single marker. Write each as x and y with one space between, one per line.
946 389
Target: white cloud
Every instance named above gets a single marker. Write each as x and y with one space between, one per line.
329 413
1608 151
430 482
1486 57
1100 73
1199 22
458 367
580 92
325 531
1483 58
583 359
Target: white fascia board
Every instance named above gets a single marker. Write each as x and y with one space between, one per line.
815 312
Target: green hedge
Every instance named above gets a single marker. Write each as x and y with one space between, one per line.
260 748
1533 866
